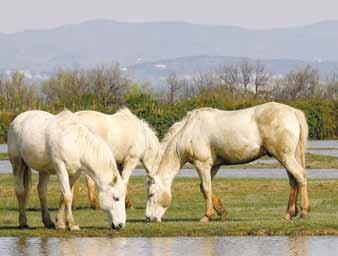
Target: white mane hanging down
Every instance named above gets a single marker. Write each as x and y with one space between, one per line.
149 132
93 148
126 111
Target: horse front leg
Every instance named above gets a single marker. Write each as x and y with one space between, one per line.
66 185
42 191
128 166
216 201
204 173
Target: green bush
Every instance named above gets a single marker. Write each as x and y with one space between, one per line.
321 113
5 119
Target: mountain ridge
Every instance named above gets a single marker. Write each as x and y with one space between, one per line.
96 42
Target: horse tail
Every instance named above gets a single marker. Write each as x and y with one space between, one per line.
27 174
22 173
302 142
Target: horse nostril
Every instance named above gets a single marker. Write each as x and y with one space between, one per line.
120 225
116 227
147 219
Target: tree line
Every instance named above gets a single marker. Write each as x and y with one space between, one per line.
106 88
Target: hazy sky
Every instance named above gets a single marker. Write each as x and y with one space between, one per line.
18 15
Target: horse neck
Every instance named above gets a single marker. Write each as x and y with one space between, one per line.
170 164
152 151
101 168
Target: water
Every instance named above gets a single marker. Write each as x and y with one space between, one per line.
312 144
323 144
3 148
5 167
205 246
331 152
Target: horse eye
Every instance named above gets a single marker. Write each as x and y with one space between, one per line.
151 195
116 198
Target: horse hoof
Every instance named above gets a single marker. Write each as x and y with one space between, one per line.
94 206
60 226
204 219
288 216
129 205
74 227
23 226
224 216
291 214
304 215
50 225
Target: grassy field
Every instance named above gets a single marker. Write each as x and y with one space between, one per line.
255 206
313 161
3 156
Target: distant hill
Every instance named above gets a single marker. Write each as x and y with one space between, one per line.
156 71
104 41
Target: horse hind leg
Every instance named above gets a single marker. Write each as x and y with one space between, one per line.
22 174
42 191
292 210
92 195
129 165
299 174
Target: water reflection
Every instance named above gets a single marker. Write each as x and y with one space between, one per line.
293 246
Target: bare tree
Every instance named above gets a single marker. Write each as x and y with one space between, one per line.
246 73
261 76
205 80
110 85
229 75
302 83
332 86
16 94
174 85
67 88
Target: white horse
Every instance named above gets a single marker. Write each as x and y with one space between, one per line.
209 138
131 140
62 145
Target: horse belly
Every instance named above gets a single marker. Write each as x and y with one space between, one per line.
240 147
241 154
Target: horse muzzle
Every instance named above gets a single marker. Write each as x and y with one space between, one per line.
117 227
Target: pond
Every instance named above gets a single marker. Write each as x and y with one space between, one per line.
276 173
252 246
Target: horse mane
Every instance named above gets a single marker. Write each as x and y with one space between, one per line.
92 147
124 111
176 127
173 130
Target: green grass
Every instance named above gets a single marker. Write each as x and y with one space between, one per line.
3 156
255 206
